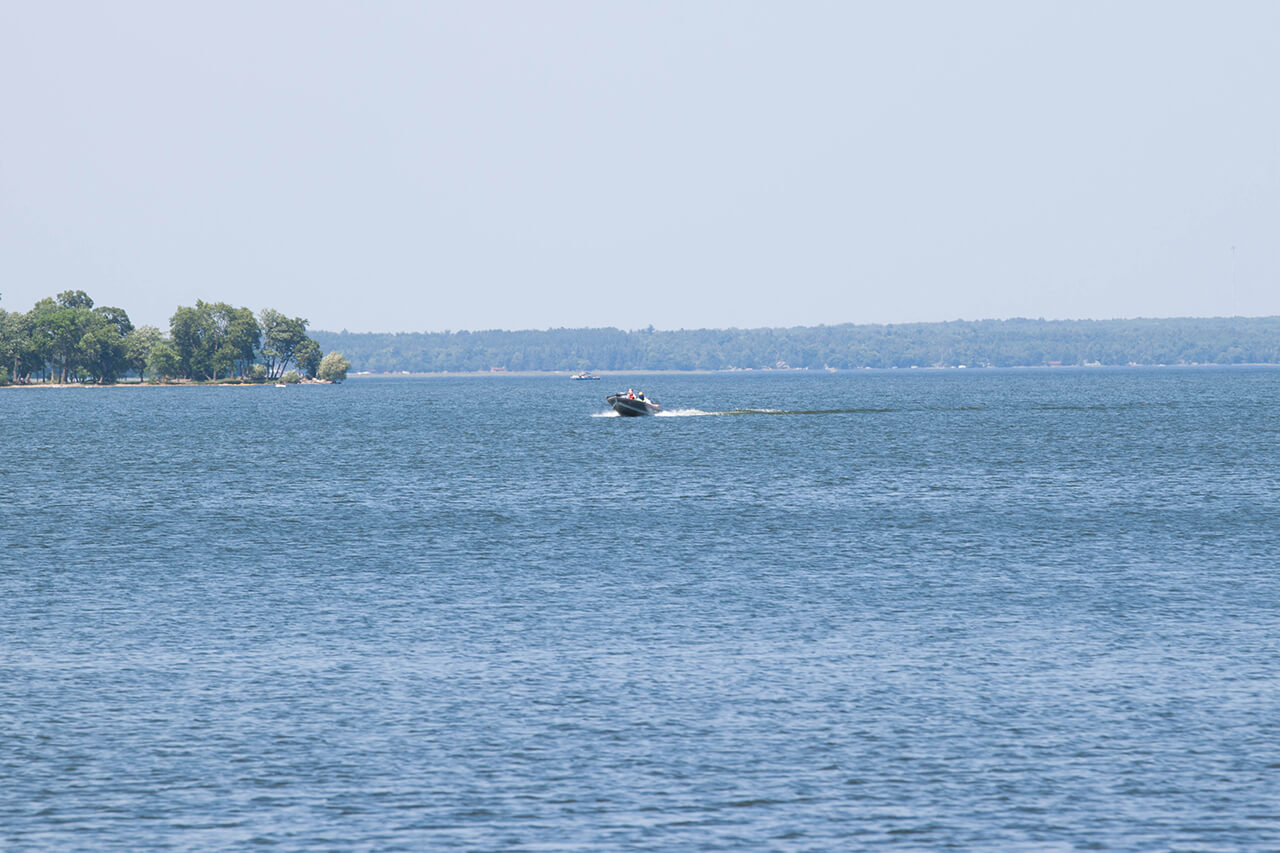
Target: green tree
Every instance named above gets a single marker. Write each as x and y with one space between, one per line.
192 334
163 361
103 350
281 338
138 345
101 353
239 337
308 357
333 367
74 299
26 355
214 339
291 378
8 342
58 327
14 342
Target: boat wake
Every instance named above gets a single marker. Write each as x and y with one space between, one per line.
672 413
697 413
806 412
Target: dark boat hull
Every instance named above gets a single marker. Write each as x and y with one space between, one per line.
630 407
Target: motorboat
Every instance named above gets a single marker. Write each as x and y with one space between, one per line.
583 375
632 405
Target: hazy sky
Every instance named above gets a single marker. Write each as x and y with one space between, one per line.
388 166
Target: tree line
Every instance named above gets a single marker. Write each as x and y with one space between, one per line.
996 343
66 339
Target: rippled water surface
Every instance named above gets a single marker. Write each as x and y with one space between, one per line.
980 609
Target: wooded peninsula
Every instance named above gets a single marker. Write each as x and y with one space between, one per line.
980 343
67 340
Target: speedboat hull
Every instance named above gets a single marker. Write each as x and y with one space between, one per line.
632 407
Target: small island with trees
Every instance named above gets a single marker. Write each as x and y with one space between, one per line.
67 340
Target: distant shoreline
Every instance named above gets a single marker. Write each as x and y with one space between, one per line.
640 372
604 375
1022 342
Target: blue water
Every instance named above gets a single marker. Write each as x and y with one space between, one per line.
912 609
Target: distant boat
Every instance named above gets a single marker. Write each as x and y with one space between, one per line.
281 385
632 405
583 375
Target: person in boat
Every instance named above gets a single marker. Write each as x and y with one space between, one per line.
631 393
640 396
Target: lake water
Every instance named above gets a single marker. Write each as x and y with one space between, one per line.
1003 610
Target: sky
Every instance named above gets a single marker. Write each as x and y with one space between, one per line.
419 166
